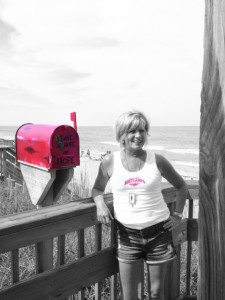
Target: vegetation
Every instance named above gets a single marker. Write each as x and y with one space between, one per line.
194 268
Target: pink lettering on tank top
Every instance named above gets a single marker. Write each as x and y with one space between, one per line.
134 181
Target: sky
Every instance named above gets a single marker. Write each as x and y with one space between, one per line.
99 58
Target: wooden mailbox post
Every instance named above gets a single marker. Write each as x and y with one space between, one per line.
47 155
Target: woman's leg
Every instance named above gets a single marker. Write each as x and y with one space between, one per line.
130 278
156 275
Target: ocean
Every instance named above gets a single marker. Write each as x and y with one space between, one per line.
179 144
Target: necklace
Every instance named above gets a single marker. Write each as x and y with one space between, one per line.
132 195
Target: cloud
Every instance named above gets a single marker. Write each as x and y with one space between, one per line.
132 85
64 75
84 54
7 32
19 96
97 42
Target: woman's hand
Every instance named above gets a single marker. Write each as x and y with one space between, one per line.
103 214
172 222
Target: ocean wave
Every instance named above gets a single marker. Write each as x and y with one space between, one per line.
186 163
156 148
110 143
160 148
184 151
149 147
179 151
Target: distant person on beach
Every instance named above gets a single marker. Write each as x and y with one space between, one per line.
142 218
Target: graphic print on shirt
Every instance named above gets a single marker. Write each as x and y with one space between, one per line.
135 181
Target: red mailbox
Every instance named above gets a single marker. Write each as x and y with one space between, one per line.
48 147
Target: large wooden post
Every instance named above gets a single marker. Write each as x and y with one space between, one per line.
212 157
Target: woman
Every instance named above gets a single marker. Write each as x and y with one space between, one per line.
142 218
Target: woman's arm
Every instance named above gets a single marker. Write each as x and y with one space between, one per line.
104 173
175 179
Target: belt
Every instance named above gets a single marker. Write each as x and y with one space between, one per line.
151 229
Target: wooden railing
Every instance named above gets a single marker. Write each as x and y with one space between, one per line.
4 143
90 268
9 167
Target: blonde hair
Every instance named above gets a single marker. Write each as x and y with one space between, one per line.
129 121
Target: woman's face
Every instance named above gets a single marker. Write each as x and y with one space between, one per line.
136 138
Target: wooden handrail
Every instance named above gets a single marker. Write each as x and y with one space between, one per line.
9 167
30 227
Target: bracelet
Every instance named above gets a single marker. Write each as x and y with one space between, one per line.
180 215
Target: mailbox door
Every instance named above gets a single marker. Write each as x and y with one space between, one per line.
65 148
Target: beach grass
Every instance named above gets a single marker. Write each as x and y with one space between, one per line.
15 199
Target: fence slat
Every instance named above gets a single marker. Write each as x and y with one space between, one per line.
15 265
81 253
61 250
189 251
98 247
113 279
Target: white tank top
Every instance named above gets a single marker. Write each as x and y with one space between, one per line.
148 207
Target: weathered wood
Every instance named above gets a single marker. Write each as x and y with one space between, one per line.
61 250
180 233
169 192
187 298
98 247
30 227
63 177
26 219
1 164
38 182
26 229
4 143
33 226
81 253
15 265
9 165
189 251
44 248
45 187
65 280
113 280
212 157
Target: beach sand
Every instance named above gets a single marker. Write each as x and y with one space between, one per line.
88 168
188 172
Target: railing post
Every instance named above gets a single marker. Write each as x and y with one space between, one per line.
61 250
98 247
189 251
1 163
15 265
113 290
44 249
81 253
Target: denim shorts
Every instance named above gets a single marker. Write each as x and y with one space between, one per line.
154 244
